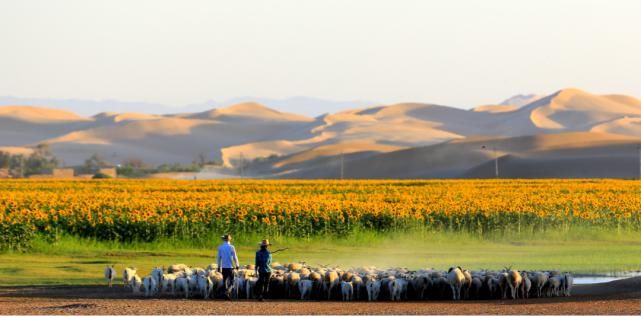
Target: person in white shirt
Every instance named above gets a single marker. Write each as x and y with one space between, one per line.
227 262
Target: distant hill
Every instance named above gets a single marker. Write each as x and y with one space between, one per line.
569 133
301 105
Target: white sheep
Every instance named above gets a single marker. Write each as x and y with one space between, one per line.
393 284
150 286
212 267
136 284
127 275
359 285
397 289
198 271
305 287
456 278
331 281
504 285
492 284
569 282
168 282
347 290
238 288
420 284
526 285
205 286
514 280
217 281
156 274
182 286
554 285
250 284
373 287
467 284
291 282
110 274
539 280
193 283
178 268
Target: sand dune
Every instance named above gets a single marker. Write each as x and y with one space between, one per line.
25 151
249 111
39 114
568 110
26 125
398 126
404 140
164 140
495 108
573 109
624 126
121 117
343 148
468 159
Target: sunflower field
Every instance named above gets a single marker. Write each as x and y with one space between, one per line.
146 210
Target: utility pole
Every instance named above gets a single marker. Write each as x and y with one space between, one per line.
22 166
496 160
496 163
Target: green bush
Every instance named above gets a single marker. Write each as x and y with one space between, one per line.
100 175
17 236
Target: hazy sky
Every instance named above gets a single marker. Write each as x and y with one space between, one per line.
460 53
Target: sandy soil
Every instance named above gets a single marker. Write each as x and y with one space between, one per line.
619 297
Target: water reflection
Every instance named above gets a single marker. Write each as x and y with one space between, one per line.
603 277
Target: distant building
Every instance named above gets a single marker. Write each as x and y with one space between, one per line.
62 173
4 173
56 173
108 171
40 176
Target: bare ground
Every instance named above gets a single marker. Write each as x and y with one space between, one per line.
618 297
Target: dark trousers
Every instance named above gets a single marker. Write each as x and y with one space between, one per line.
228 279
262 285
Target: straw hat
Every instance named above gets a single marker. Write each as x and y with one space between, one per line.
265 242
226 237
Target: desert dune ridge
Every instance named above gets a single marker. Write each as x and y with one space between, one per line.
394 141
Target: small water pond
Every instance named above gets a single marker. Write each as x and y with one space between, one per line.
604 277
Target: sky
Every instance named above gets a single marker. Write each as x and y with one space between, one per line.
457 53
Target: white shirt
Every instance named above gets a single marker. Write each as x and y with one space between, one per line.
227 256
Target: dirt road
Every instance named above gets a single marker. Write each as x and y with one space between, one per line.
619 297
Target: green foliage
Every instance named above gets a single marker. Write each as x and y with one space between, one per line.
15 236
135 168
39 162
5 159
176 167
101 176
94 163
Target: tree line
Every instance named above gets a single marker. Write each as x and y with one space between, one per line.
40 161
43 161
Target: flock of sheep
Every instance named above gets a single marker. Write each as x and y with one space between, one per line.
299 281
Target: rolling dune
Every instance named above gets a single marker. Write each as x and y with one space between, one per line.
405 140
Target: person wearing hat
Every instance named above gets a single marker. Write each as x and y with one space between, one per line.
226 260
263 269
